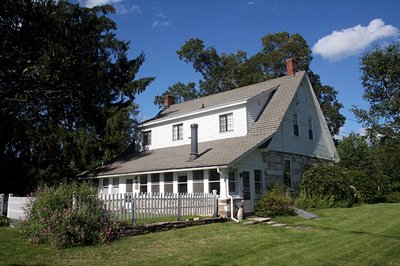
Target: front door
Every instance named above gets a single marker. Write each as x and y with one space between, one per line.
248 202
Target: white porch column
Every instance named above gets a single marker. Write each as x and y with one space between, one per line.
223 182
175 183
206 175
161 182
190 181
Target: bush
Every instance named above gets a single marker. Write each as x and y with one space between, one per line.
275 202
4 221
393 197
372 187
326 186
55 220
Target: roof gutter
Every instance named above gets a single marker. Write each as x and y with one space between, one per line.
157 171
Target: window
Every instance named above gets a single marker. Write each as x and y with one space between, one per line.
226 122
115 187
232 182
177 132
168 182
143 183
213 181
295 125
105 185
146 138
129 185
258 181
287 175
310 129
155 182
182 184
198 181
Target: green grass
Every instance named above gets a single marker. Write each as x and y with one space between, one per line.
365 235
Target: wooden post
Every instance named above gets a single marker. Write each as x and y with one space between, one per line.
215 214
133 212
179 207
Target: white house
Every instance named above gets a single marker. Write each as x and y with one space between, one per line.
236 142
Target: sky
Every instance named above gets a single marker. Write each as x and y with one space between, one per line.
338 32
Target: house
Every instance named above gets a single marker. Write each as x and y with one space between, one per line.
235 142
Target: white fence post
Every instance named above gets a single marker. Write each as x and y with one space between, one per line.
1 204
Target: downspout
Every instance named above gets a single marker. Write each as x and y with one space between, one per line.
230 197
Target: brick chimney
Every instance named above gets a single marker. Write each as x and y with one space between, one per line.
168 101
291 67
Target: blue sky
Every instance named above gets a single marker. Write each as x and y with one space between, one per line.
338 31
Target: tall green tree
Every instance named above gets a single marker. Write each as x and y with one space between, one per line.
222 72
381 79
67 90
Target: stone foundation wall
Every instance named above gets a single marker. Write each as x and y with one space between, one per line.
275 165
165 226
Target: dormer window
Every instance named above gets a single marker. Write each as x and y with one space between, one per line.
146 138
226 122
177 132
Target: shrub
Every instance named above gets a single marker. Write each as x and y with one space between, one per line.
372 187
54 219
4 221
275 202
326 186
393 197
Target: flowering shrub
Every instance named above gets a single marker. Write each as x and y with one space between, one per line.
54 219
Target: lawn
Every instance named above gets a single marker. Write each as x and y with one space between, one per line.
365 235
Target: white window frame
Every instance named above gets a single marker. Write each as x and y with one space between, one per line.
227 125
177 132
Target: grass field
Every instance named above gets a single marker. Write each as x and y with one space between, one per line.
365 235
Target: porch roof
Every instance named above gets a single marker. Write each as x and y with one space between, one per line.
212 153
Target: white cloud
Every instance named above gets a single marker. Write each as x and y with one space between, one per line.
347 42
251 3
161 15
362 131
157 23
125 9
92 3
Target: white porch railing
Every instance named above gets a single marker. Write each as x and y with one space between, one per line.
126 206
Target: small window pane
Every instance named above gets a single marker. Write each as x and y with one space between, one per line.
182 184
213 181
258 181
129 185
147 138
177 132
287 175
310 129
155 183
232 182
198 181
143 183
168 182
295 125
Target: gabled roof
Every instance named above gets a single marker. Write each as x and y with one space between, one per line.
218 152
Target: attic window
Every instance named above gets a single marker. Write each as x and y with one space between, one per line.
310 129
226 122
295 125
146 138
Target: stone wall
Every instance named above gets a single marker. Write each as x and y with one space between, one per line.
165 226
275 164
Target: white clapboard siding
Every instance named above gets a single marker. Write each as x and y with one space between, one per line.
126 206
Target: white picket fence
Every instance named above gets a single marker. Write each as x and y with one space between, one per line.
126 206
17 207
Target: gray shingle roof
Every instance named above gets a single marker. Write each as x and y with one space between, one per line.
217 152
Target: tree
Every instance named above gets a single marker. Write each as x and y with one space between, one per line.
67 91
182 92
381 80
222 72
